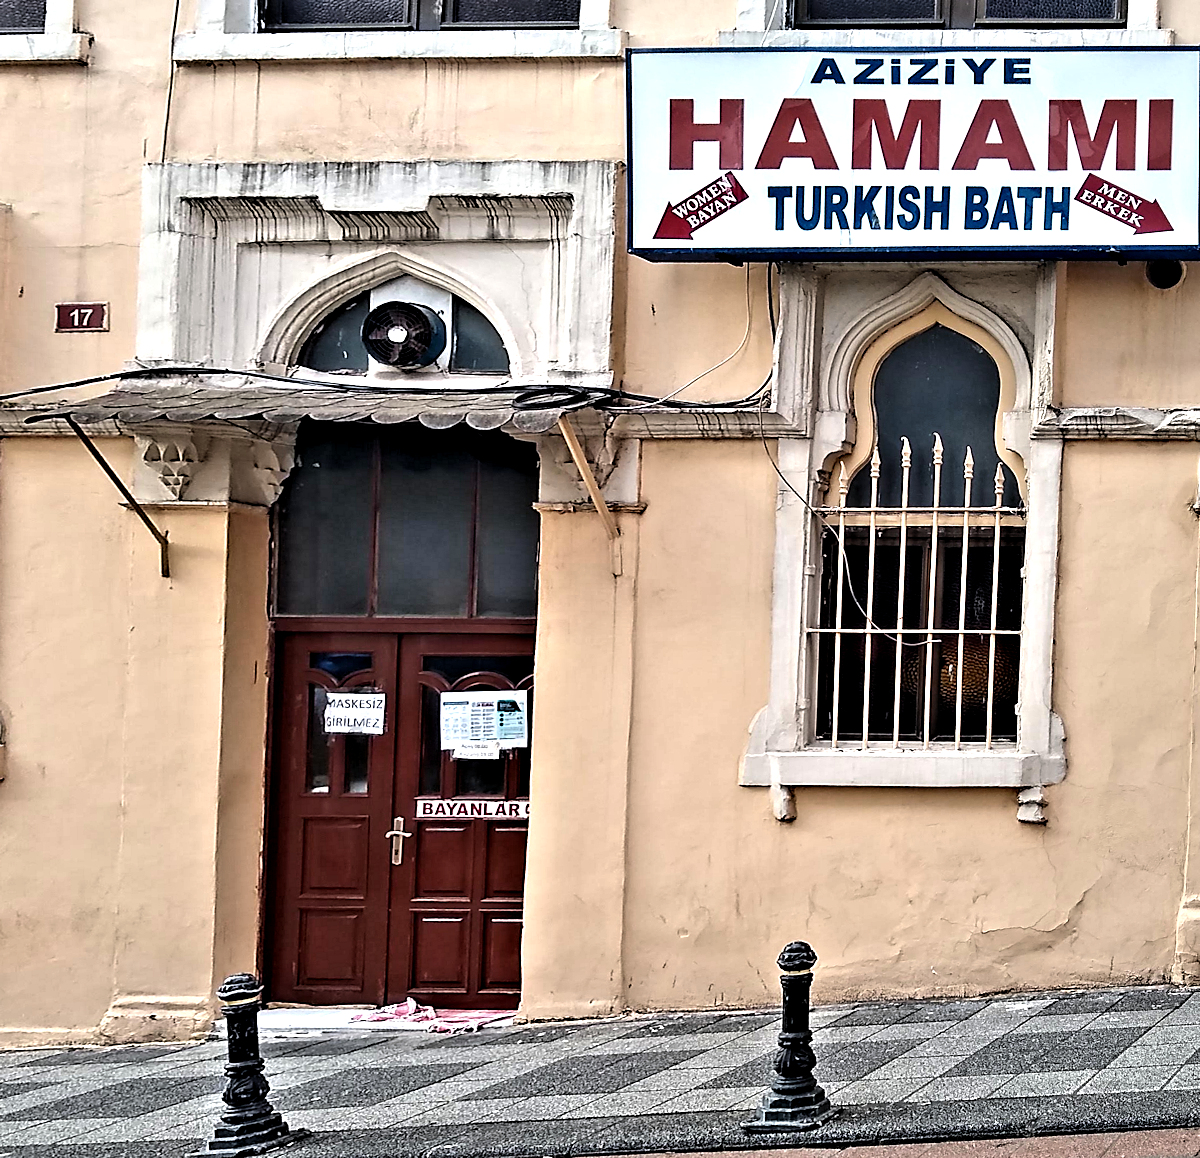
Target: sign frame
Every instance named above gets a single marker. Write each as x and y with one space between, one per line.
1134 251
97 321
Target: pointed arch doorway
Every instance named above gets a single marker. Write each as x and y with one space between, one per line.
406 564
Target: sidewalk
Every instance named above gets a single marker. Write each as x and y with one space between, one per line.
1031 1065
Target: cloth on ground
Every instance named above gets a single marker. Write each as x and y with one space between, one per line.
409 1012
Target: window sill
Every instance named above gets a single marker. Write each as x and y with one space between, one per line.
215 47
903 769
44 47
886 38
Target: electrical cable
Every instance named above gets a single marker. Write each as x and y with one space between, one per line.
172 67
724 361
829 529
526 398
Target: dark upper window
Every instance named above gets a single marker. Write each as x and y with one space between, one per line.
404 520
22 15
919 636
336 345
313 15
957 13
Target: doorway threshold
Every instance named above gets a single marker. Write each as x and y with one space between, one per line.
314 1020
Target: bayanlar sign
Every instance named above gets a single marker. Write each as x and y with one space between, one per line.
804 153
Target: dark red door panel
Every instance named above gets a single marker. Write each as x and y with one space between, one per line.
360 916
331 800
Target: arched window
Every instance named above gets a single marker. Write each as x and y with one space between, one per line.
469 343
407 521
918 636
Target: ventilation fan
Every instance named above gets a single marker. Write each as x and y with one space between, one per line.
404 334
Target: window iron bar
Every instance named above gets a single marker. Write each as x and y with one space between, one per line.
933 575
870 608
905 472
991 682
843 487
946 678
968 478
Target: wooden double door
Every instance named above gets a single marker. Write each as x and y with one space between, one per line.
394 869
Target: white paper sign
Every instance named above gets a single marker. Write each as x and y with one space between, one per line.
1014 152
477 725
468 809
355 713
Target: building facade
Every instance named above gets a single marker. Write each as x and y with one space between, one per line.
374 343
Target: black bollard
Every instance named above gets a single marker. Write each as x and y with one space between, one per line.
794 1101
250 1125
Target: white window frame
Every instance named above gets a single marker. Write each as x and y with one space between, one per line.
782 752
761 23
228 30
57 43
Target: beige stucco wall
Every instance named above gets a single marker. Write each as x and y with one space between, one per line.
125 715
901 890
131 816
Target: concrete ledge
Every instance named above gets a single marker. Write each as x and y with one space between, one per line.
156 1018
216 47
891 768
967 38
44 48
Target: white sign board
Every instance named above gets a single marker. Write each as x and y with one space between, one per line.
802 153
477 725
355 713
472 809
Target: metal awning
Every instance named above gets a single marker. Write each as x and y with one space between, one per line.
190 400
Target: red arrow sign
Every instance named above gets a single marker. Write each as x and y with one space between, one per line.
680 221
1121 205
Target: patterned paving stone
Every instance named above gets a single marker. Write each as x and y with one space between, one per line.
1089 1049
591 1074
1015 1064
1007 1055
362 1086
99 1055
127 1099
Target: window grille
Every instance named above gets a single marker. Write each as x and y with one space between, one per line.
917 642
314 15
958 13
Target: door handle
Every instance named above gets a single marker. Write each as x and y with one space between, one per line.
396 835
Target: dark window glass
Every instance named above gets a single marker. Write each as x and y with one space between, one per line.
957 13
1032 11
508 534
939 381
281 14
427 508
431 751
336 344
942 657
425 14
316 771
477 345
22 15
868 11
326 526
357 755
408 521
515 11
339 664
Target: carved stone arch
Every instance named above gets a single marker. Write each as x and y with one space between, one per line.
920 293
925 302
295 322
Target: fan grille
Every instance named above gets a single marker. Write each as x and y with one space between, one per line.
404 334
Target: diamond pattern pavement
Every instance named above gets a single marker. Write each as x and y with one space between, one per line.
1014 1066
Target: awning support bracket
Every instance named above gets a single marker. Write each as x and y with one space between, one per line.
579 458
94 451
